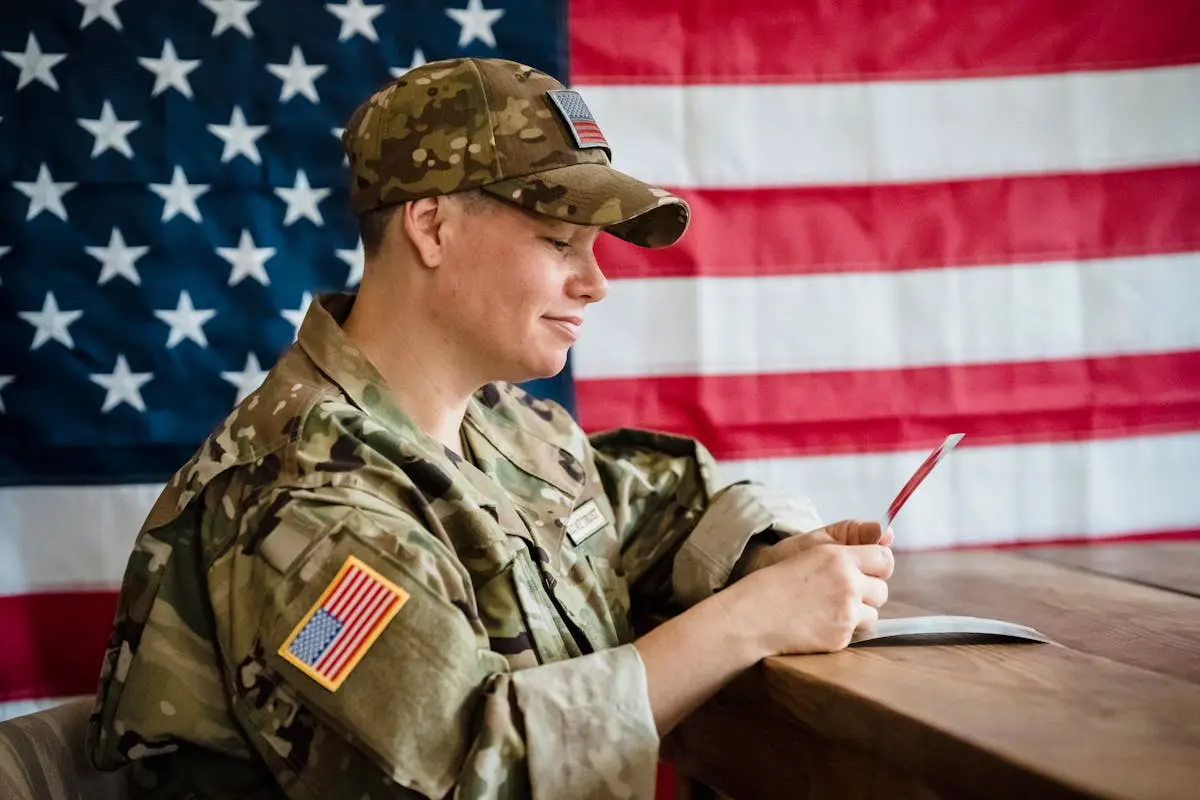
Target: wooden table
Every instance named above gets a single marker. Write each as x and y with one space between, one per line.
1110 710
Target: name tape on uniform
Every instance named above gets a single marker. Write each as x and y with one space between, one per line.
330 640
585 521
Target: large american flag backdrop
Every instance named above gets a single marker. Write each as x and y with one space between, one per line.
911 218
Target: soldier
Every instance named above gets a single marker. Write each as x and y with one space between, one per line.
392 573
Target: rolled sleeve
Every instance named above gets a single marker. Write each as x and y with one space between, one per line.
735 516
589 728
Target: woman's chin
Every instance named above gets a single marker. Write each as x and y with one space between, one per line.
546 365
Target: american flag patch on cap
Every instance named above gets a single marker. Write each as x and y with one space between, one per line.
337 631
582 124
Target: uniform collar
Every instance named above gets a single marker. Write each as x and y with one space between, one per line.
552 462
322 338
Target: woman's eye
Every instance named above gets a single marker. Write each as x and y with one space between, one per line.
559 245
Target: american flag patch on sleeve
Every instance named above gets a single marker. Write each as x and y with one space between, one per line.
337 631
582 124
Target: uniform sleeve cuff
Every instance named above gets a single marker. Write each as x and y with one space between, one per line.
589 728
735 516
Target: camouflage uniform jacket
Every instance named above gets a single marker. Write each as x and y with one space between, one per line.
508 668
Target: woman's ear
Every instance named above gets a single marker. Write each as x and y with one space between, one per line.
423 226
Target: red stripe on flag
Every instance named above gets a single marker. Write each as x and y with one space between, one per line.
363 628
348 639
53 643
363 599
353 583
345 588
1135 537
779 41
781 415
56 640
803 230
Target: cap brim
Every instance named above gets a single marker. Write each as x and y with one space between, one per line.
597 194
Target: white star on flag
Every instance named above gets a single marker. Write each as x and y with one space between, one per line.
122 386
356 260
248 379
298 77
51 323
356 18
110 132
44 194
186 322
118 259
170 71
337 132
5 380
100 9
239 138
476 22
417 61
231 14
302 200
34 64
296 315
179 197
247 260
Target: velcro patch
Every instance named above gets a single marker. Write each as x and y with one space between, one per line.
581 123
584 522
337 631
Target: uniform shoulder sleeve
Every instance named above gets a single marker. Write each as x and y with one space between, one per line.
355 654
359 667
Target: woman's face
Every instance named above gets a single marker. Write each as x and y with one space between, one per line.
513 287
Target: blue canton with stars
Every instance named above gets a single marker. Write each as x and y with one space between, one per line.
174 192
309 645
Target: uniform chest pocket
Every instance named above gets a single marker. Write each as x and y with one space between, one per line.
502 611
614 591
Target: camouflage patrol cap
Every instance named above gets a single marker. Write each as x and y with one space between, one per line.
517 133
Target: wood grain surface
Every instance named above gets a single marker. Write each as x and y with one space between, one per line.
1110 710
1174 566
1002 720
745 747
1126 622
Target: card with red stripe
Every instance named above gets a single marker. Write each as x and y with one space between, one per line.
337 631
931 461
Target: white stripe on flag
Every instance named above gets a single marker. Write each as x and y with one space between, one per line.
1005 493
19 708
355 631
69 537
1002 493
345 589
970 315
358 585
775 135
